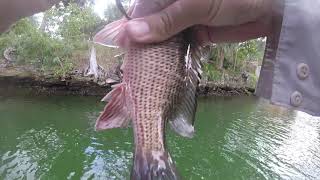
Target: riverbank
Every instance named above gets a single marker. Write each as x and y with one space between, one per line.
24 80
18 80
216 89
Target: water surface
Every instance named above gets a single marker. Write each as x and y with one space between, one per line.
236 138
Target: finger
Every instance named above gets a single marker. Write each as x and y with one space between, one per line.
232 34
168 22
235 12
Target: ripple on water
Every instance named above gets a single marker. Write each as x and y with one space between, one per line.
286 144
35 153
236 138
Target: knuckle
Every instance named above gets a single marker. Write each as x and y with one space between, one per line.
256 8
212 8
166 22
250 6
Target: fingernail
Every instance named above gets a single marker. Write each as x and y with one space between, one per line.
138 28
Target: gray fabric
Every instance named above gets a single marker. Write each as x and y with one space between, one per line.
299 42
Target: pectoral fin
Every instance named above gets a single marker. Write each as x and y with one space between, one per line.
184 117
108 35
116 113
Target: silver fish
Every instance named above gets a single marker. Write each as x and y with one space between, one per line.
159 86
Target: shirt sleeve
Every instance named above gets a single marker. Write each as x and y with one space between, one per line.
290 73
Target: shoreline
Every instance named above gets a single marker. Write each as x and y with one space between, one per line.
86 86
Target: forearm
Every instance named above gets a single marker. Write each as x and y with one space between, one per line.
13 10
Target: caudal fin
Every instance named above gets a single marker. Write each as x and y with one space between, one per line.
153 165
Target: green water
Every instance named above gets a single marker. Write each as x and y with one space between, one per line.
236 138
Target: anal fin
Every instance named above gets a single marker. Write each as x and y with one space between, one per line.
183 119
116 113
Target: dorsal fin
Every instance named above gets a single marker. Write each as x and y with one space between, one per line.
183 118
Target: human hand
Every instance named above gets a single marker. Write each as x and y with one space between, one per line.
216 20
13 10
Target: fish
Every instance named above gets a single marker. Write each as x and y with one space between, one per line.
159 87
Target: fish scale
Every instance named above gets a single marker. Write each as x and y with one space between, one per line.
159 87
157 98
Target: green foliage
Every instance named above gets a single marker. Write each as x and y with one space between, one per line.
80 3
211 73
251 50
79 23
232 60
252 80
50 45
62 67
112 13
63 30
35 47
74 24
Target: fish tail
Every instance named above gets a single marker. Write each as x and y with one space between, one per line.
153 165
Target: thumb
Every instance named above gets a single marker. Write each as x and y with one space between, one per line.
43 5
166 23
